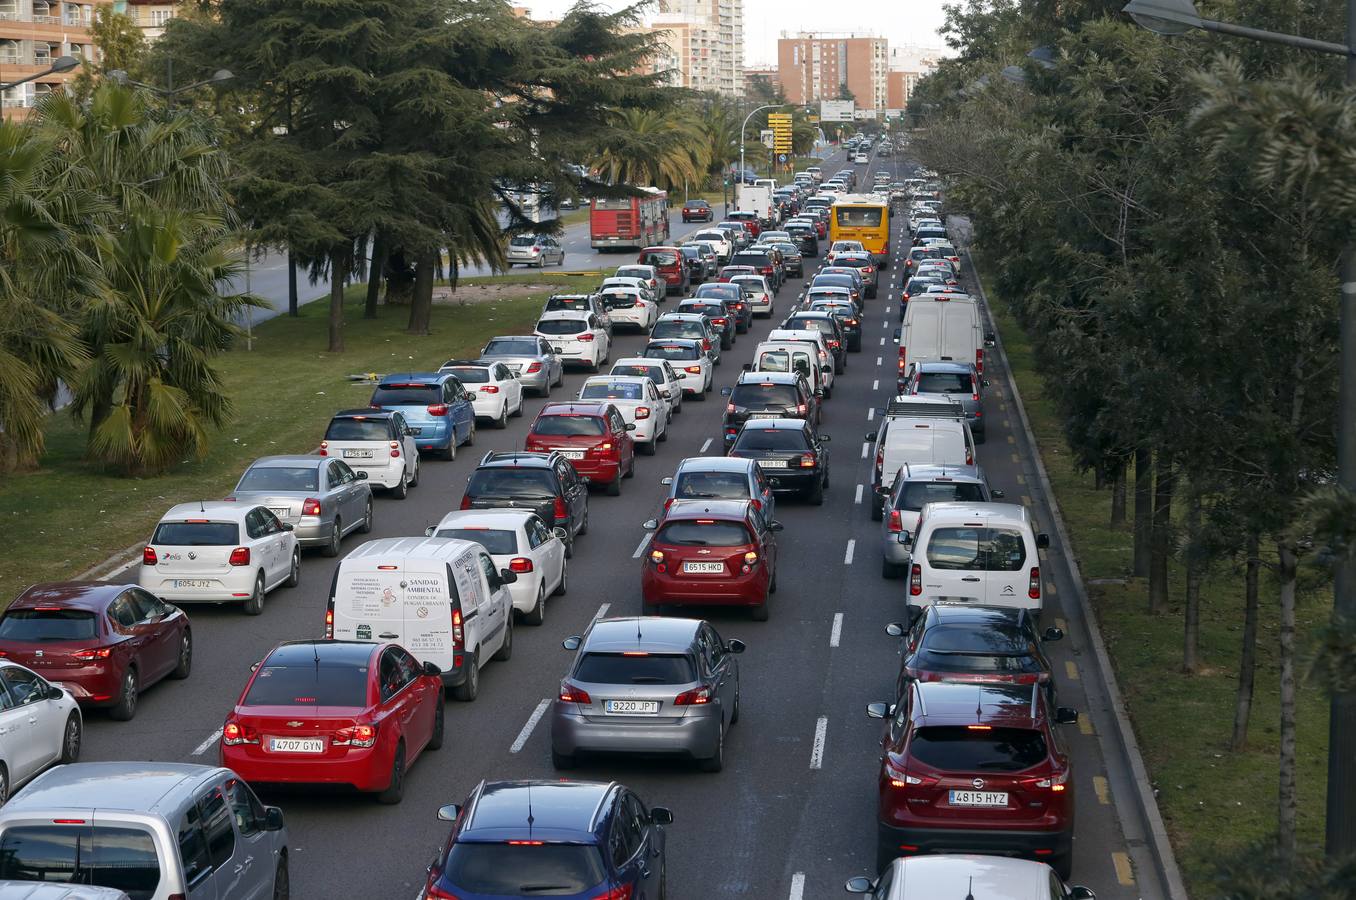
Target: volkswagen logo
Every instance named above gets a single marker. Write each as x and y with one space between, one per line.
299 724
978 783
192 555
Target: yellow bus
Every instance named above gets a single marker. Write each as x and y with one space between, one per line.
865 218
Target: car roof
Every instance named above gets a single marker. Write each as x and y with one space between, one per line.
715 464
541 810
931 471
558 314
932 365
514 337
958 613
769 378
983 511
327 652
90 595
399 378
968 703
639 360
656 634
127 786
575 408
290 461
227 510
778 424
676 340
516 459
729 510
682 317
365 412
492 518
962 875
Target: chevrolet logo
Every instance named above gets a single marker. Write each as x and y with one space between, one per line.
299 724
704 552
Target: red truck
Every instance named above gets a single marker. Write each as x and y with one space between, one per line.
630 222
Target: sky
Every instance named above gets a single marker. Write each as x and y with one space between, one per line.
904 22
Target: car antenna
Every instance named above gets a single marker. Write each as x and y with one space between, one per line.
201 508
970 894
639 636
531 819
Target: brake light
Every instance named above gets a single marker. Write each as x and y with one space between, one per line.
148 557
1033 588
729 408
329 621
802 409
657 557
395 449
240 556
916 581
586 337
570 693
896 521
807 461
979 728
695 370
458 633
355 736
560 512
706 344
898 777
92 655
466 501
979 360
433 892
310 507
642 412
617 893
533 368
520 564
324 448
234 733
1055 783
698 697
902 350
489 389
437 409
756 504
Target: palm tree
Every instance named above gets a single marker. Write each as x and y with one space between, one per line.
663 148
720 124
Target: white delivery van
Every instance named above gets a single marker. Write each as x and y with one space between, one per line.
442 599
789 356
810 336
981 553
941 327
917 431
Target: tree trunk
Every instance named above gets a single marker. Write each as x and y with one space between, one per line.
1191 632
399 279
374 273
1247 663
292 300
338 275
1288 793
1118 495
1161 541
421 304
1144 482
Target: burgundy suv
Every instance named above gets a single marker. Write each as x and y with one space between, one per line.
975 768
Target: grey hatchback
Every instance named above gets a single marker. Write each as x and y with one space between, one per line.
647 685
323 499
915 485
956 381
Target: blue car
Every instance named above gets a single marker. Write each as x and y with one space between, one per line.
571 839
437 408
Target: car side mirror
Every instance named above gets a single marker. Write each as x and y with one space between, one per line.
650 524
449 812
725 392
1066 716
997 495
895 629
898 332
572 642
734 645
468 397
984 383
870 436
361 475
507 576
825 439
666 482
288 526
1052 634
1078 892
429 531
561 533
53 693
630 426
273 818
859 885
432 670
990 339
1042 541
905 539
255 667
880 710
661 815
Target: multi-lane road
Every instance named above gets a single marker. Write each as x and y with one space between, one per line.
792 813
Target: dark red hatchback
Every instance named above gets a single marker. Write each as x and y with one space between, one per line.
105 643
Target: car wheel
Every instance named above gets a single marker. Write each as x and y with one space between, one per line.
649 447
282 887
663 436
184 664
631 469
4 784
1063 865
569 548
70 739
435 742
471 434
449 452
877 509
890 570
772 588
614 486
255 604
414 477
562 760
979 438
294 573
366 526
734 713
563 587
469 689
759 613
395 791
541 261
561 261
126 707
716 761
505 651
502 421
336 535
518 411
401 489
537 613
816 494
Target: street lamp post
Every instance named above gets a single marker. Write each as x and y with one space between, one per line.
1173 17
219 76
60 65
740 182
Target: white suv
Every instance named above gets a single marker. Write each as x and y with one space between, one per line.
577 337
957 875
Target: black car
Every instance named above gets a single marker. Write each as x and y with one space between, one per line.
767 395
826 324
696 265
545 483
792 260
789 452
736 299
805 239
763 263
717 313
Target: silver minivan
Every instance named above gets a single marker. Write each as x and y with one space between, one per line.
152 830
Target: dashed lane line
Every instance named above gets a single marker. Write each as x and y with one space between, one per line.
1099 784
205 745
797 886
866 448
882 342
851 548
836 632
602 611
640 548
817 749
521 740
857 498
707 445
1124 873
880 360
1070 670
871 414
1085 726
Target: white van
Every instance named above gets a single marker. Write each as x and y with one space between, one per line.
790 356
811 336
981 553
442 599
941 327
917 430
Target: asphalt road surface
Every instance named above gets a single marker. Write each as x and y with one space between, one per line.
793 813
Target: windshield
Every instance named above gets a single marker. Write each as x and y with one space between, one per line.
196 534
511 483
496 542
616 668
407 395
671 351
355 429
859 216
510 348
654 373
916 493
562 326
774 439
284 478
944 383
959 749
318 685
661 258
678 328
564 425
48 625
523 870
712 486
623 390
123 858
964 648
765 395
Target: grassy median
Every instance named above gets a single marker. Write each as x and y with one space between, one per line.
67 516
1215 801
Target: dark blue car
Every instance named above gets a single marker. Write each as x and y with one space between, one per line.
565 839
437 408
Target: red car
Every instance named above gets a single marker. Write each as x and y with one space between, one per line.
748 219
592 436
105 643
717 552
670 265
975 768
335 712
698 211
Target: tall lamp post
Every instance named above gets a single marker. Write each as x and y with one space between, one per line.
219 76
740 178
59 66
1175 17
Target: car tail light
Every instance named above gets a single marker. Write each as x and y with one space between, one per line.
802 409
902 350
695 370
706 344
559 511
833 343
572 693
520 564
642 412
234 733
240 556
489 389
916 581
437 409
697 697
638 304
979 360
533 368
1033 587
324 448
148 557
395 449
969 457
310 507
433 892
92 655
807 461
657 557
880 460
899 778
329 621
355 736
896 521
458 632
1056 783
466 501
586 337
621 892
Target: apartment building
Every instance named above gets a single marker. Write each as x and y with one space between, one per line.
703 44
33 34
150 15
815 67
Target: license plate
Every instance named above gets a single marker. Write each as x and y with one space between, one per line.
765 416
296 745
357 454
280 511
192 583
977 798
708 567
571 454
631 707
772 464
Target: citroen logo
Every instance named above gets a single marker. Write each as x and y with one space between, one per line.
295 724
978 783
192 555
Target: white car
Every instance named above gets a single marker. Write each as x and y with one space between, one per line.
666 379
577 337
638 400
689 360
844 247
630 306
759 291
648 274
719 241
958 875
377 442
40 726
498 392
640 283
220 551
517 540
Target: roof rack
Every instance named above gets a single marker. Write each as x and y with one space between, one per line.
915 409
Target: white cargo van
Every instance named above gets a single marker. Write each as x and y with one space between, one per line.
941 327
980 553
790 356
442 599
917 431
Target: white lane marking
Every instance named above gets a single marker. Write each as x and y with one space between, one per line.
797 886
866 448
887 309
521 741
602 611
882 342
640 548
875 384
202 748
817 751
880 360
836 633
870 414
857 498
851 548
706 445
886 323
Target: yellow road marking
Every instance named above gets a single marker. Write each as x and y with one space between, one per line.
1060 623
1015 459
1021 480
1103 790
1070 670
1124 874
1052 592
1011 439
1085 725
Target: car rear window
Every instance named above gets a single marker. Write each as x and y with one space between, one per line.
633 272
494 540
965 648
956 549
196 534
621 391
916 493
750 259
318 685
661 258
511 483
579 304
751 284
522 241
782 440
678 329
704 533
407 395
654 373
523 870
823 326
562 326
510 348
764 395
944 383
618 299
566 425
960 749
703 309
469 374
285 478
347 430
105 855
48 625
671 351
712 486
618 668
855 262
774 361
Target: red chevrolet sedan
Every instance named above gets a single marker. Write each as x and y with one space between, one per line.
717 552
105 643
593 436
335 712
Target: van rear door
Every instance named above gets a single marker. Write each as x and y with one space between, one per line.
1009 570
369 598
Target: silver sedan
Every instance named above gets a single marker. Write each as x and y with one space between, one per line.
321 498
529 357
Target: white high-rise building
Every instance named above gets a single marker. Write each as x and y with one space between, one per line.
706 42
